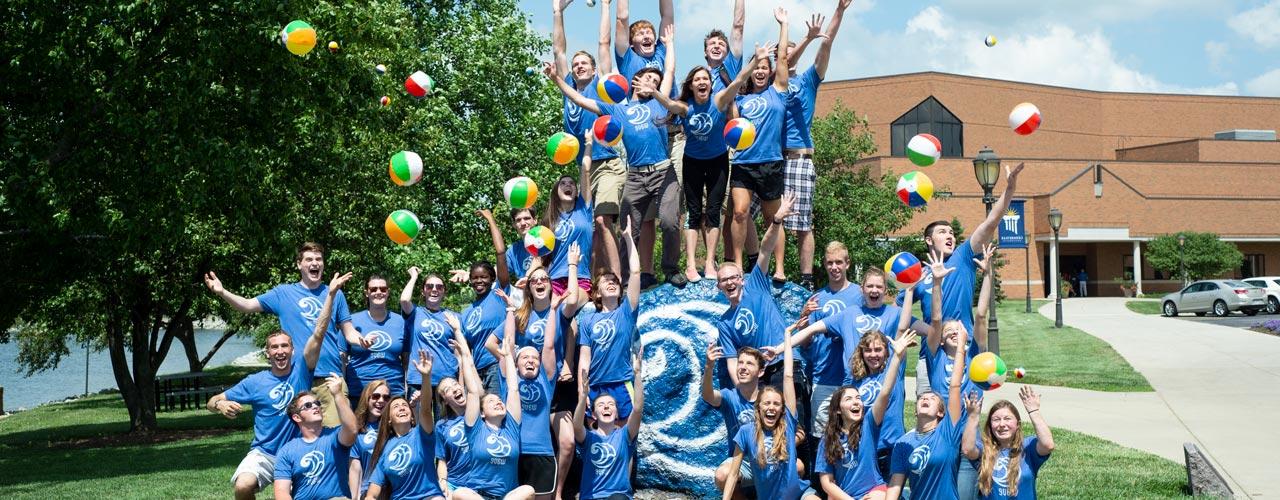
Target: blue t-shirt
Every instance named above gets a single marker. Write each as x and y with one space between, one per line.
318 469
535 330
518 262
856 474
270 396
800 110
430 330
755 322
381 361
1027 472
644 130
535 412
957 291
574 227
610 336
855 321
776 480
454 448
826 353
929 461
704 131
494 457
631 63
939 366
869 388
578 121
298 309
482 318
362 451
766 110
606 464
408 466
732 66
737 412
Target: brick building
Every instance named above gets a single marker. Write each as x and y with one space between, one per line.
1161 169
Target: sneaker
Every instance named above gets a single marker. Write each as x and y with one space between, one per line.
677 279
807 283
647 281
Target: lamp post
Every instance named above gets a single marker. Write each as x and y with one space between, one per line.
986 168
1055 222
1182 259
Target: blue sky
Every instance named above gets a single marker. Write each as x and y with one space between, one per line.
1178 46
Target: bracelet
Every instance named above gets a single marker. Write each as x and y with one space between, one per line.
511 309
1032 411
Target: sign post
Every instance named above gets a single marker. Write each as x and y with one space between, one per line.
1013 234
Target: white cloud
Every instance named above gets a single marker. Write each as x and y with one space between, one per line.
1262 25
1218 53
1266 84
1076 12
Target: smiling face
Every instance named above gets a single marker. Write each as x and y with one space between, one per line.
643 39
951 333
492 407
836 264
715 48
605 409
760 75
566 190
401 412
851 408
930 404
1003 424
539 284
729 281
481 280
311 267
527 361
378 401
280 351
523 220
749 369
583 68
309 410
376 291
701 85
452 393
873 290
874 355
644 83
433 292
769 408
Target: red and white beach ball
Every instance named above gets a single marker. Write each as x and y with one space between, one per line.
1025 118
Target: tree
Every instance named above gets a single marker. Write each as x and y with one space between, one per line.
149 142
1204 255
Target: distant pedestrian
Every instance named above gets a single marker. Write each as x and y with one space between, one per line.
1083 278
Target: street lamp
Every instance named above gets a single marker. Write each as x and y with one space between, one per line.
1055 222
986 168
1182 260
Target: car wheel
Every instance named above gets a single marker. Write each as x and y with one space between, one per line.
1251 312
1220 309
1273 305
1170 310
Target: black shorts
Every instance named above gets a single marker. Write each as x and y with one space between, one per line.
566 397
764 179
539 472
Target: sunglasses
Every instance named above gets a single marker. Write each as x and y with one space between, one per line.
379 397
376 289
540 279
310 404
433 286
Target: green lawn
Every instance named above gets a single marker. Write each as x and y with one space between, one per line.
1144 306
1064 357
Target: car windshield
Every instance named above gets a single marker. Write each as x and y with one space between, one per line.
1277 281
1239 284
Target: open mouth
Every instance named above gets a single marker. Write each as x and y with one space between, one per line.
313 272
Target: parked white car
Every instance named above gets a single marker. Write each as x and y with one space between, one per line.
1272 284
1217 296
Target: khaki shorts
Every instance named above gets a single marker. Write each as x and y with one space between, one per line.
607 181
326 400
261 465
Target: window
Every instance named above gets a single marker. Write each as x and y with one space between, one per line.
928 117
1126 268
1252 265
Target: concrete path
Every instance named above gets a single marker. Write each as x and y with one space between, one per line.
1216 386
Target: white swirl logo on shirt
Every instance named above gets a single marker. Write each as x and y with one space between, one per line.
850 459
832 308
753 108
281 395
313 464
498 446
866 323
792 87
700 124
432 330
919 459
473 319
564 229
457 436
769 459
399 458
370 438
536 331
602 333
573 111
1000 473
381 340
869 391
309 309
746 416
603 455
744 321
528 261
653 63
530 396
639 114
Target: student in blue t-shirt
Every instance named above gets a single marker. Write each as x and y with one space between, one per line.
373 401
636 45
453 450
512 260
770 444
569 216
483 317
724 53
824 353
1007 464
297 305
846 463
607 334
535 368
706 157
310 467
493 431
757 170
427 327
607 450
386 357
737 404
404 456
928 455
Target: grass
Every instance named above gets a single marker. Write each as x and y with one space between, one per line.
1144 306
1065 357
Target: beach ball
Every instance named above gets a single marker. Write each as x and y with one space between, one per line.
905 268
405 168
607 131
419 84
521 192
539 241
739 133
990 41
402 226
333 46
562 148
299 37
613 89
924 149
1025 118
385 101
987 371
381 69
1019 372
915 189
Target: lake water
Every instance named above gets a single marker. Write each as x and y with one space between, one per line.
68 378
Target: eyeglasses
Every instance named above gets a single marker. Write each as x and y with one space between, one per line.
310 404
433 286
730 279
376 289
379 397
540 279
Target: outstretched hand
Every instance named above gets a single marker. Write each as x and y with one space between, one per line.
784 209
550 70
1030 400
669 35
937 265
333 382
714 353
423 363
215 285
1011 173
815 27
973 403
459 276
338 280
988 250
503 295
780 14
905 340
452 320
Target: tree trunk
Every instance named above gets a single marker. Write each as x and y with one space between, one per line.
187 335
142 416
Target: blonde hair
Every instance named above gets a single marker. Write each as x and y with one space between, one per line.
837 248
779 450
858 366
991 450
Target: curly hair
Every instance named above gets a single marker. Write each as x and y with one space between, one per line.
858 366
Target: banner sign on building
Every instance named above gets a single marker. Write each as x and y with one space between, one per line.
1013 228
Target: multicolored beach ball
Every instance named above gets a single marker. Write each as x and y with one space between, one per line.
990 41
562 148
1025 118
739 133
915 189
613 89
405 168
521 192
539 241
402 226
607 131
419 84
905 268
924 149
987 371
299 37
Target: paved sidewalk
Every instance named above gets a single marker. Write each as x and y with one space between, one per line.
1216 386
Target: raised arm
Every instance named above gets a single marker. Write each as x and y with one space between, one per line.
579 412
667 10
983 233
346 417
499 247
637 400
939 270
781 67
604 60
724 98
674 106
981 312
584 167
709 392
426 413
249 305
406 293
568 90
788 377
573 294
771 236
814 31
633 260
467 373
954 405
508 326
311 351
622 34
739 25
824 50
803 336
549 336
669 63
900 345
558 43
1044 435
969 440
508 361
